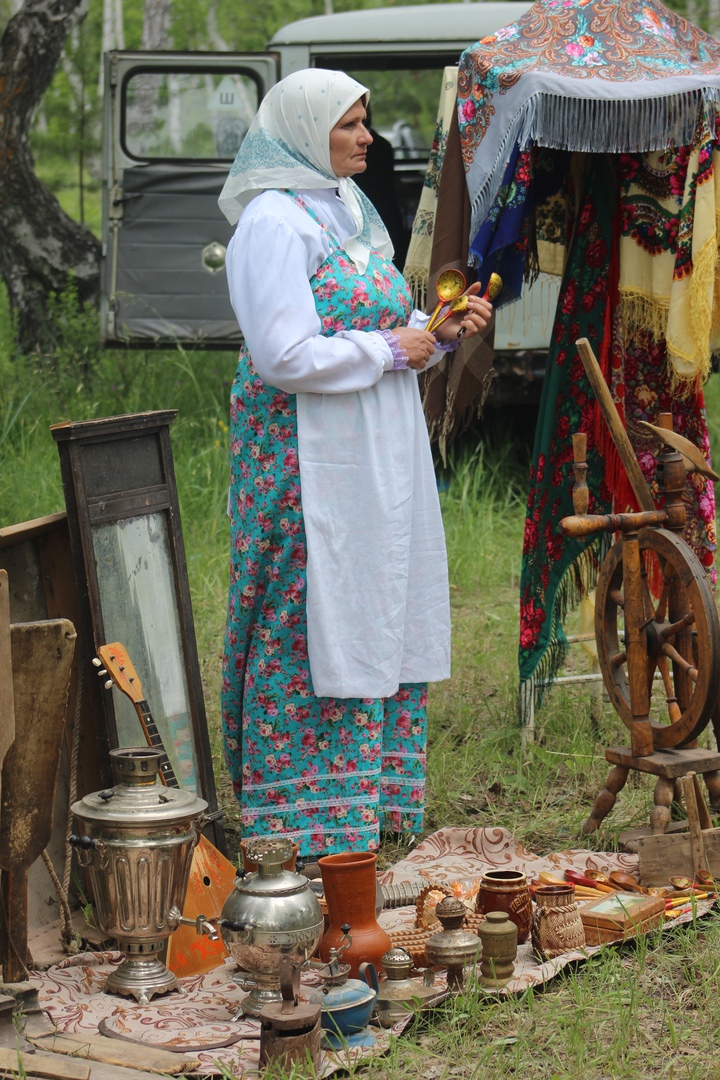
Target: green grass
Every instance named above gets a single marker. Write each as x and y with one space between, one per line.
643 1010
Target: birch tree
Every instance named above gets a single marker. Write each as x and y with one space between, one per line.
42 247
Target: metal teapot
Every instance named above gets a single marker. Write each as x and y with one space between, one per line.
399 994
347 1004
269 914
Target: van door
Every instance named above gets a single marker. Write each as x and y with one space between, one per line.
172 126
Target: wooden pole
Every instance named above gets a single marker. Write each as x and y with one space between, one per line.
615 425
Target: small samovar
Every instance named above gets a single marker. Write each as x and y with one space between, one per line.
137 851
269 914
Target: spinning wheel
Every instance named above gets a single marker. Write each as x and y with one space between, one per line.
680 631
676 635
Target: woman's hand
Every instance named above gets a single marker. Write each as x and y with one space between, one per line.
418 346
471 321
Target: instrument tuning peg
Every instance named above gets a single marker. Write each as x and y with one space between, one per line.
102 671
96 661
108 684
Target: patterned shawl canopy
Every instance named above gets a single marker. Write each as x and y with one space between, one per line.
617 76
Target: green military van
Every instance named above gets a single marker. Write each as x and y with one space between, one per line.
172 126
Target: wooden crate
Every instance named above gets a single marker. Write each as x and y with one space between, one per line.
672 854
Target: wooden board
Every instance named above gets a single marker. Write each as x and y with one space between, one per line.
41 659
7 708
43 1065
672 855
668 763
630 836
114 1052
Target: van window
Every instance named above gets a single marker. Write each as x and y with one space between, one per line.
404 93
187 115
404 108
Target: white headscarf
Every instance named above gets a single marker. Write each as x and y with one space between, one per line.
288 147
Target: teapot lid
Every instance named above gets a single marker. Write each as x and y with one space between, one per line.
397 963
350 992
271 879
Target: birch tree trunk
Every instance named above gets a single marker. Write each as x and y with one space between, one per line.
156 24
41 246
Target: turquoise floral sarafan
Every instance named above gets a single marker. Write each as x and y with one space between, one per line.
329 773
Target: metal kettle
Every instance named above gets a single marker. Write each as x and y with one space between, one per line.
269 914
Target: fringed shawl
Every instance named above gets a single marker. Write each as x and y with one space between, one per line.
615 76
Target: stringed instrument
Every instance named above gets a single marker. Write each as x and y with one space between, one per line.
211 875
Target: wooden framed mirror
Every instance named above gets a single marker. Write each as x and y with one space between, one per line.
131 575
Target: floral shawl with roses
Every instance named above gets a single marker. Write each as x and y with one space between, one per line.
556 572
596 76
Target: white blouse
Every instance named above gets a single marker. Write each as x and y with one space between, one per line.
377 591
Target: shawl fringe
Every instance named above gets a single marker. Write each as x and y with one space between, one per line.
578 581
599 126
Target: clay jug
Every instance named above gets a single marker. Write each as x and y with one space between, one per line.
349 883
507 890
499 948
556 924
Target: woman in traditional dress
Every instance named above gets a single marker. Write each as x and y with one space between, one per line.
338 608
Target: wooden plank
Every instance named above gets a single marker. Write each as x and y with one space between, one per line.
663 856
25 529
7 706
697 847
668 763
44 1065
114 1052
628 838
46 945
41 660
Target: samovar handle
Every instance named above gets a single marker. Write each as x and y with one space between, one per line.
237 928
203 820
85 846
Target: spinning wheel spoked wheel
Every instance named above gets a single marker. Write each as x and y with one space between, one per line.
678 636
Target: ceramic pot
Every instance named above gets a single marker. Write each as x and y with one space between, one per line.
349 882
499 948
556 924
507 890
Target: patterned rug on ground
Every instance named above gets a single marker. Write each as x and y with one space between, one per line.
202 1013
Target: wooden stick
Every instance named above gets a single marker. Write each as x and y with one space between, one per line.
697 845
615 425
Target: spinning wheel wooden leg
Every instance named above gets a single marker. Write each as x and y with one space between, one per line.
606 799
663 797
